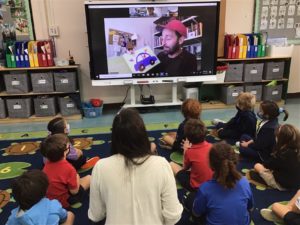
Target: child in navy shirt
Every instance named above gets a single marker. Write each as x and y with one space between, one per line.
244 121
260 147
191 109
282 170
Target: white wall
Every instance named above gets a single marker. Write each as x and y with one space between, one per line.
69 15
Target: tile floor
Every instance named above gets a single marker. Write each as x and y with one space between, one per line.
157 115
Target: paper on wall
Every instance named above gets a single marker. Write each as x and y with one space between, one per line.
290 23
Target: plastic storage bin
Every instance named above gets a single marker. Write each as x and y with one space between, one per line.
253 72
19 107
92 112
42 82
67 106
234 72
16 83
44 106
229 94
272 92
255 90
2 109
65 81
273 70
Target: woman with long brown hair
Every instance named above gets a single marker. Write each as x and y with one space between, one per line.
133 186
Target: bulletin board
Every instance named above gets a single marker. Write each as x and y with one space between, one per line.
279 18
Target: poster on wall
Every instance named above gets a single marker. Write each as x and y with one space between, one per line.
279 19
15 24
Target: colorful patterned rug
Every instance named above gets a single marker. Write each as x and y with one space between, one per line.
19 152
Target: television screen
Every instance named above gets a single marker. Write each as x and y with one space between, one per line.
152 42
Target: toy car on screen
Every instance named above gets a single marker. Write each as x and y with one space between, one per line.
142 60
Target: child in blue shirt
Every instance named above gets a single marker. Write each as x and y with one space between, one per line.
29 191
227 198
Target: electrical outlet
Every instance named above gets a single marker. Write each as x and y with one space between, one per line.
53 31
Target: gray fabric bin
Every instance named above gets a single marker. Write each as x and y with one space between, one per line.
253 72
16 83
229 94
44 106
19 107
255 90
65 81
42 82
272 93
2 109
67 106
273 70
234 73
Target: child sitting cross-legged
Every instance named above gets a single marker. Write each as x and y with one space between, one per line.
195 168
281 171
191 109
227 198
29 191
65 184
244 121
260 147
75 156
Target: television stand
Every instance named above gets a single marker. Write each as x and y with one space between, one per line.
173 102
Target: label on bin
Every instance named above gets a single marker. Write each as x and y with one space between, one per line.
44 106
64 81
17 107
92 113
253 92
70 105
41 81
15 82
275 70
275 92
253 71
234 94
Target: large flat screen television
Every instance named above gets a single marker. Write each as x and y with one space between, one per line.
140 42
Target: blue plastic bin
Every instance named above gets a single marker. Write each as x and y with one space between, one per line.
92 112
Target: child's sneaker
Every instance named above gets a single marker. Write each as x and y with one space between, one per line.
216 121
268 215
164 145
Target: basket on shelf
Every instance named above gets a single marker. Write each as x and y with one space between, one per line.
93 108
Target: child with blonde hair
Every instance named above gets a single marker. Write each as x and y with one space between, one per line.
244 121
191 109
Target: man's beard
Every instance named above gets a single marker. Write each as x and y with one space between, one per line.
173 50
